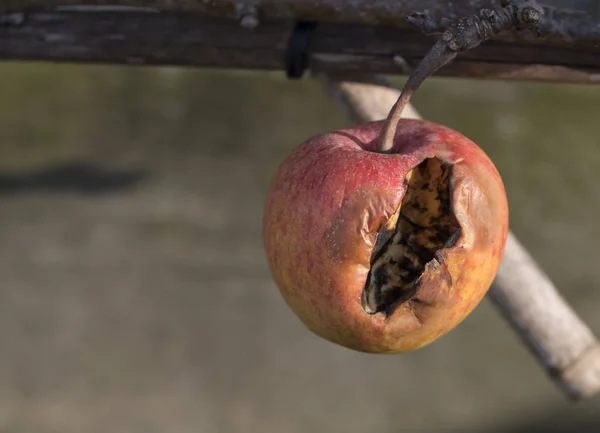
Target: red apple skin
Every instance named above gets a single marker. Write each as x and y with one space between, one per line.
331 197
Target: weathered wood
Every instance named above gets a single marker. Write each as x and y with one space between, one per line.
194 39
144 38
522 292
364 12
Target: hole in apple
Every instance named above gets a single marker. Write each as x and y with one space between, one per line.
425 224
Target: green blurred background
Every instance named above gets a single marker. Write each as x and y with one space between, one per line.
135 293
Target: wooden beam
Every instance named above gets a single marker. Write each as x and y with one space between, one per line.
368 12
201 40
566 21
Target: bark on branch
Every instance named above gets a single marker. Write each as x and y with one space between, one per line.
199 39
569 21
563 345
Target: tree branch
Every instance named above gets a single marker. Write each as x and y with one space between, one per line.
522 292
197 39
545 323
569 22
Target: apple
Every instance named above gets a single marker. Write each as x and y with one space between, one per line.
384 252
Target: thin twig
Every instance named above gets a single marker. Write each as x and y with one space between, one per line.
460 35
525 296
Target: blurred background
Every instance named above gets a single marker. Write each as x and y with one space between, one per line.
135 292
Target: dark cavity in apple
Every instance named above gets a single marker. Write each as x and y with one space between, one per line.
425 224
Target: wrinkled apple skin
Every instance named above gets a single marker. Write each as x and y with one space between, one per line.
325 207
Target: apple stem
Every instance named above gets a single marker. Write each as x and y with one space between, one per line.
460 35
437 57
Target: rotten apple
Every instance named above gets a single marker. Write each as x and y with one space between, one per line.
385 252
